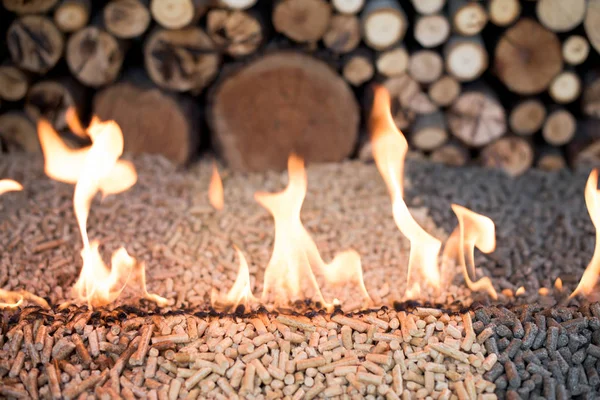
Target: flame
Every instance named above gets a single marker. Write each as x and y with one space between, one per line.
64 164
74 123
592 201
473 230
215 189
289 275
8 185
389 150
240 293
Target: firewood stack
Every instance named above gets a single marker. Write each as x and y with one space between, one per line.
501 83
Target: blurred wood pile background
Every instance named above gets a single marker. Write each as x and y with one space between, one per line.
505 83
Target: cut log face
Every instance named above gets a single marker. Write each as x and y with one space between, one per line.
425 66
29 6
432 30
466 58
428 7
237 32
513 155
468 17
238 4
527 117
358 69
72 15
429 131
565 88
392 62
504 12
151 121
177 14
528 57
94 56
343 34
444 91
302 20
49 100
126 19
383 24
19 132
34 43
575 50
350 7
183 60
561 16
477 118
591 23
319 121
550 159
13 83
407 100
451 154
559 128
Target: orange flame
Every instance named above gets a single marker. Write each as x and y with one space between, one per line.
592 201
473 230
289 275
8 185
215 189
240 293
74 123
389 150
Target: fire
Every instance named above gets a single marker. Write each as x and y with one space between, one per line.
389 150
592 201
215 189
473 230
240 293
8 185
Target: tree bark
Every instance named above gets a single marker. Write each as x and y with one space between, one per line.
565 87
237 32
304 21
453 154
466 57
528 57
177 14
560 16
476 117
428 7
34 43
343 34
444 91
550 158
319 122
18 132
527 117
393 62
431 30
468 17
504 12
350 7
429 131
514 155
384 24
72 15
425 66
559 128
29 6
13 83
152 121
181 60
126 19
575 49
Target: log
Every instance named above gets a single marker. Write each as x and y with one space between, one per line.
177 14
72 15
468 17
50 99
393 62
431 30
590 102
466 57
151 120
575 49
527 117
35 43
584 150
591 23
560 16
444 91
343 34
303 21
407 100
425 66
527 57
237 4
565 87
453 154
13 83
428 7
476 117
19 133
429 131
181 60
126 19
350 7
319 123
383 23
29 6
559 128
358 67
236 32
550 158
504 12
94 56
512 154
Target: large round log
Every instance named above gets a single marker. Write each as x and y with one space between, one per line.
560 15
151 120
528 57
383 23
512 154
317 115
18 131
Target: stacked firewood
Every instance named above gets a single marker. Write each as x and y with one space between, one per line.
504 83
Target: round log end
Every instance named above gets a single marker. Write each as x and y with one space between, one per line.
29 6
126 18
317 115
514 155
302 20
13 83
173 14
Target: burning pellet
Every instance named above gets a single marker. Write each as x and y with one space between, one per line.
295 322
311 363
353 323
